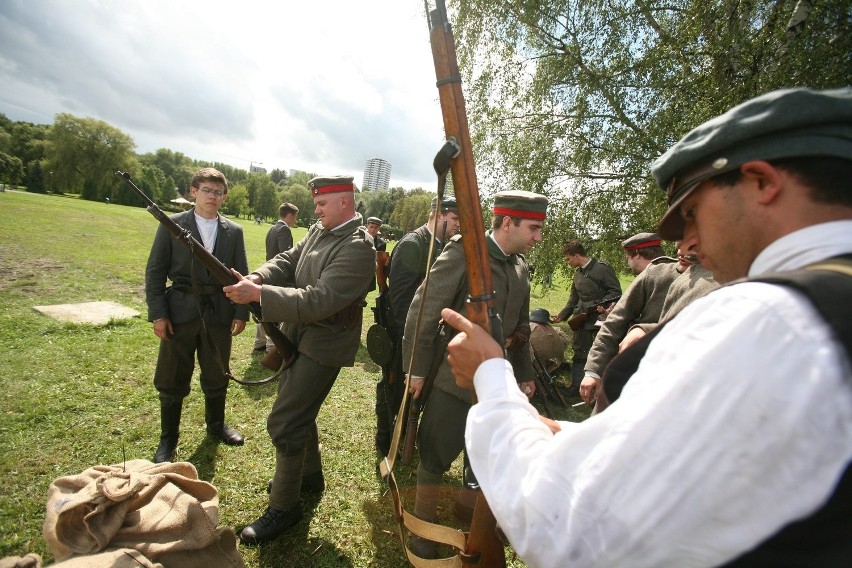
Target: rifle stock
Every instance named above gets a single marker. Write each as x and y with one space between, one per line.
382 268
483 545
441 341
286 350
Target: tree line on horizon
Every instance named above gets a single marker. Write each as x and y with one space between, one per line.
76 155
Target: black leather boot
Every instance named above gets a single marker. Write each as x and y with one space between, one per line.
214 412
284 510
170 410
383 431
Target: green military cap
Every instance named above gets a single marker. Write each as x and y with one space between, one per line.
781 124
333 184
520 204
640 241
374 220
447 203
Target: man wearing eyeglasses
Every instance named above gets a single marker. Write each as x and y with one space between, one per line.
191 316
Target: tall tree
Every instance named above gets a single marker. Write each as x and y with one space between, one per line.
266 202
11 169
237 203
576 98
412 210
300 196
174 165
83 153
278 177
35 178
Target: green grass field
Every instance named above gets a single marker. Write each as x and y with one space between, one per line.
74 396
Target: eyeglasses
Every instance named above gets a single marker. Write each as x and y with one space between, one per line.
214 192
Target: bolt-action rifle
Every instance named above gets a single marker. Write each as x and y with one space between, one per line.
439 352
548 381
223 275
483 546
577 321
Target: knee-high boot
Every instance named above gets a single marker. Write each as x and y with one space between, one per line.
170 410
284 510
214 413
426 508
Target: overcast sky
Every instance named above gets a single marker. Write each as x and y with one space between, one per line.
317 85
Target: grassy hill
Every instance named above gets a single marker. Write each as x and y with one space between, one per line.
74 396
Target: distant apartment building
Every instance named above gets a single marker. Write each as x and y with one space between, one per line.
376 174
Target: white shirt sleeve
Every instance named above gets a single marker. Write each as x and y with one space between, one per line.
738 421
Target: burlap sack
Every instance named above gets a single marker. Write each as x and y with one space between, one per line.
161 510
31 560
121 558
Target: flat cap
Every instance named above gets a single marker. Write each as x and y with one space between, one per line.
333 184
448 203
374 220
781 124
640 241
520 204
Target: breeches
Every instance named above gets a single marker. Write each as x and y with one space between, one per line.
440 438
301 393
583 339
176 360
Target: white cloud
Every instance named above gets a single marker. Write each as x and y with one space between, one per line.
319 86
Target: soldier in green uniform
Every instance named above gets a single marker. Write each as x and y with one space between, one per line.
594 280
317 289
408 266
641 303
518 220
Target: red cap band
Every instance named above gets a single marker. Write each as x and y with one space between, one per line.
333 188
537 215
646 244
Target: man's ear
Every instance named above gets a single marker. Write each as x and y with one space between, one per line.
767 180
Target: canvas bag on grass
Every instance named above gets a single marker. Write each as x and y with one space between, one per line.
161 510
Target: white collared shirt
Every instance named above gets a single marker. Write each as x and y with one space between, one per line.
737 422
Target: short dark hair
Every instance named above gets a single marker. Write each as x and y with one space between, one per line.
827 177
286 209
498 220
648 252
208 174
573 247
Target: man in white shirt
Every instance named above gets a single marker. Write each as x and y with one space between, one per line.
732 441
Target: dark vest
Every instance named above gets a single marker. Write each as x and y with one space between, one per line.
824 538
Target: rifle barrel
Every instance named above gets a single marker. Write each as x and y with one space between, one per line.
219 271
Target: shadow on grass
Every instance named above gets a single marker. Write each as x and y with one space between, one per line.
204 458
256 372
296 548
379 511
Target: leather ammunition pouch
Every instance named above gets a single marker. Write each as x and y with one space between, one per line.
519 338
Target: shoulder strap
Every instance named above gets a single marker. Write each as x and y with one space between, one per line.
828 286
825 283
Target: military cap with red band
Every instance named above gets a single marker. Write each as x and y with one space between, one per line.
640 241
333 184
520 204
